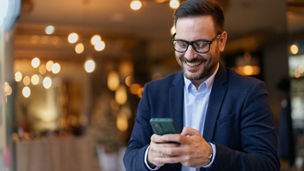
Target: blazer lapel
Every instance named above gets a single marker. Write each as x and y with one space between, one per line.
176 96
215 102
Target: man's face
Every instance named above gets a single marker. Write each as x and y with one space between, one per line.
198 66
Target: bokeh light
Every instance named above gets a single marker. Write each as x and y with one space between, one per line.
113 81
100 46
50 29
26 92
47 82
35 79
73 38
56 68
18 76
79 48
174 4
136 5
35 62
95 38
89 66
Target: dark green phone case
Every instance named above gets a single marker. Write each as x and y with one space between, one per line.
163 126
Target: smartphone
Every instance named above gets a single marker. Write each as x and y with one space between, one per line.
163 126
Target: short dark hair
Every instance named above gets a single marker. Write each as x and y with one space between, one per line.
200 8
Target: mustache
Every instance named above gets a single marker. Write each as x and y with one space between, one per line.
183 59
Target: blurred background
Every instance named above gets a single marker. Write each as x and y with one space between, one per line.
72 73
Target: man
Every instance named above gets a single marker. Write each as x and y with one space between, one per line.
224 120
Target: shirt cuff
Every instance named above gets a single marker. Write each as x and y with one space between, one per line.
213 155
146 162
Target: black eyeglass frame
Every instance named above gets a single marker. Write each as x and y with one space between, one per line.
209 42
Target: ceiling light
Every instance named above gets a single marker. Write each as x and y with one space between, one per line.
135 5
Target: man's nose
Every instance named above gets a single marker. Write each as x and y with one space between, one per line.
190 53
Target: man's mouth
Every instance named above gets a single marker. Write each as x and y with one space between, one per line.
194 63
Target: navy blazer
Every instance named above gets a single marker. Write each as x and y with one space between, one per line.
238 121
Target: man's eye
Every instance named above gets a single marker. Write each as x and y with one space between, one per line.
181 44
200 44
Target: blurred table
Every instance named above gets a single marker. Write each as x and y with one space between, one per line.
55 154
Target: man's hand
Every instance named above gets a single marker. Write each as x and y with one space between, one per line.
191 149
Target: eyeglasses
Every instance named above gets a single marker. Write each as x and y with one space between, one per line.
199 46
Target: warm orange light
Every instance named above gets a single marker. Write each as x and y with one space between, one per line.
79 48
122 122
26 80
248 70
134 89
121 95
18 76
49 65
113 81
294 49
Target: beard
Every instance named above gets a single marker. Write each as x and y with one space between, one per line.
207 67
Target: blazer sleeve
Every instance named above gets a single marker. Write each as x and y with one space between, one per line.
140 137
258 142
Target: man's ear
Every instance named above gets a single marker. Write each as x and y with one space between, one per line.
222 41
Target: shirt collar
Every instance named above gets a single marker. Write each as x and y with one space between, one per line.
207 82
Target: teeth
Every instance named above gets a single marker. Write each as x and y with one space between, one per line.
193 63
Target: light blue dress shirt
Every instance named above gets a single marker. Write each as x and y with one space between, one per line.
195 109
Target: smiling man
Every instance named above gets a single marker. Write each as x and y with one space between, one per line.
223 119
